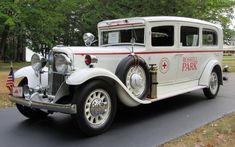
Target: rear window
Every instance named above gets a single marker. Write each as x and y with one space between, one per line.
189 36
209 37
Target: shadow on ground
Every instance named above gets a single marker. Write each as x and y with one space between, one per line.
61 126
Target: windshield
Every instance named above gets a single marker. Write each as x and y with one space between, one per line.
116 37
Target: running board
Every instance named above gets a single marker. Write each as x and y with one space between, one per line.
175 93
170 90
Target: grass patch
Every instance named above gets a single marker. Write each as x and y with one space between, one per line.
16 65
217 133
230 61
228 57
4 99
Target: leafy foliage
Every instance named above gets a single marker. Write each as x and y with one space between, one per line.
41 24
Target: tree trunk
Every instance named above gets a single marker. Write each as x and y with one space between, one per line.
18 48
23 51
15 48
3 41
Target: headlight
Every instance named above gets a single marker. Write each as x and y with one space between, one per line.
62 63
37 62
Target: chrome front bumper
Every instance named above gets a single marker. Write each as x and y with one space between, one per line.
64 108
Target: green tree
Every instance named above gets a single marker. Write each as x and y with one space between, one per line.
216 11
41 24
8 21
33 23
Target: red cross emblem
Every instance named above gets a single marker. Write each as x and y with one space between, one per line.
164 64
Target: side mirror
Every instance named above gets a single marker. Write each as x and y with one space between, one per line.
88 39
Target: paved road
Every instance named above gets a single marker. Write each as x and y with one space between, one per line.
143 126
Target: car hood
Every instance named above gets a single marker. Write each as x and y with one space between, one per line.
83 50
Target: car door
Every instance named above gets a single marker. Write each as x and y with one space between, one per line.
163 46
190 53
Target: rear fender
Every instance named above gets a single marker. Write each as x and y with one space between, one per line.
32 77
205 77
126 97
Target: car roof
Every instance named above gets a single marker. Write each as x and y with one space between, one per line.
139 20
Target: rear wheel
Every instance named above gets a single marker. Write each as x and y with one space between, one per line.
29 112
96 107
213 89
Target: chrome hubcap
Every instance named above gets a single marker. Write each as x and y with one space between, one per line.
213 83
136 80
97 108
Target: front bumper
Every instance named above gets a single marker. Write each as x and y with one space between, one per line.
64 108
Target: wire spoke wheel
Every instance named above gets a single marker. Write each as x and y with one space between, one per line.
97 108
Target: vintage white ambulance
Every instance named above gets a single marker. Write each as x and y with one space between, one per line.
138 61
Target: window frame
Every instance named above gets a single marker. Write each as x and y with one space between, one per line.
166 25
118 29
199 35
217 37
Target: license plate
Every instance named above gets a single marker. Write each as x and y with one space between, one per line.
17 91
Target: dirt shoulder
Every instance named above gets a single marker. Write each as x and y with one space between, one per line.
219 133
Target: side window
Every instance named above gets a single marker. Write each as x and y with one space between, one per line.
209 37
189 36
163 36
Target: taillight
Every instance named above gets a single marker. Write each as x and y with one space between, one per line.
90 59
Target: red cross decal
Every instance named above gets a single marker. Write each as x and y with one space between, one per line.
164 65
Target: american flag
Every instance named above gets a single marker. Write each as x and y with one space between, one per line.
10 80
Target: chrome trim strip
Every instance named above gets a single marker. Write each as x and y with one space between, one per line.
64 108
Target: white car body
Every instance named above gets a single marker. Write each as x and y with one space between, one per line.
183 66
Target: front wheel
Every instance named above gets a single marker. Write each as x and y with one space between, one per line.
29 112
96 107
213 89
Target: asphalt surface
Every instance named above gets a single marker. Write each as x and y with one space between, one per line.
143 126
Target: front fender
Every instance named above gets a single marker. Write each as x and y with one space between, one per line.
83 75
33 79
205 77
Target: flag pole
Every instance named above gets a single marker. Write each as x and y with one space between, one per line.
10 79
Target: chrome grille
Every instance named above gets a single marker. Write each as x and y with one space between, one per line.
54 79
58 79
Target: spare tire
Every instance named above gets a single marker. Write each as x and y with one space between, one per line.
134 73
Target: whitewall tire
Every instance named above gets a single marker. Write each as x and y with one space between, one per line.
96 107
214 85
